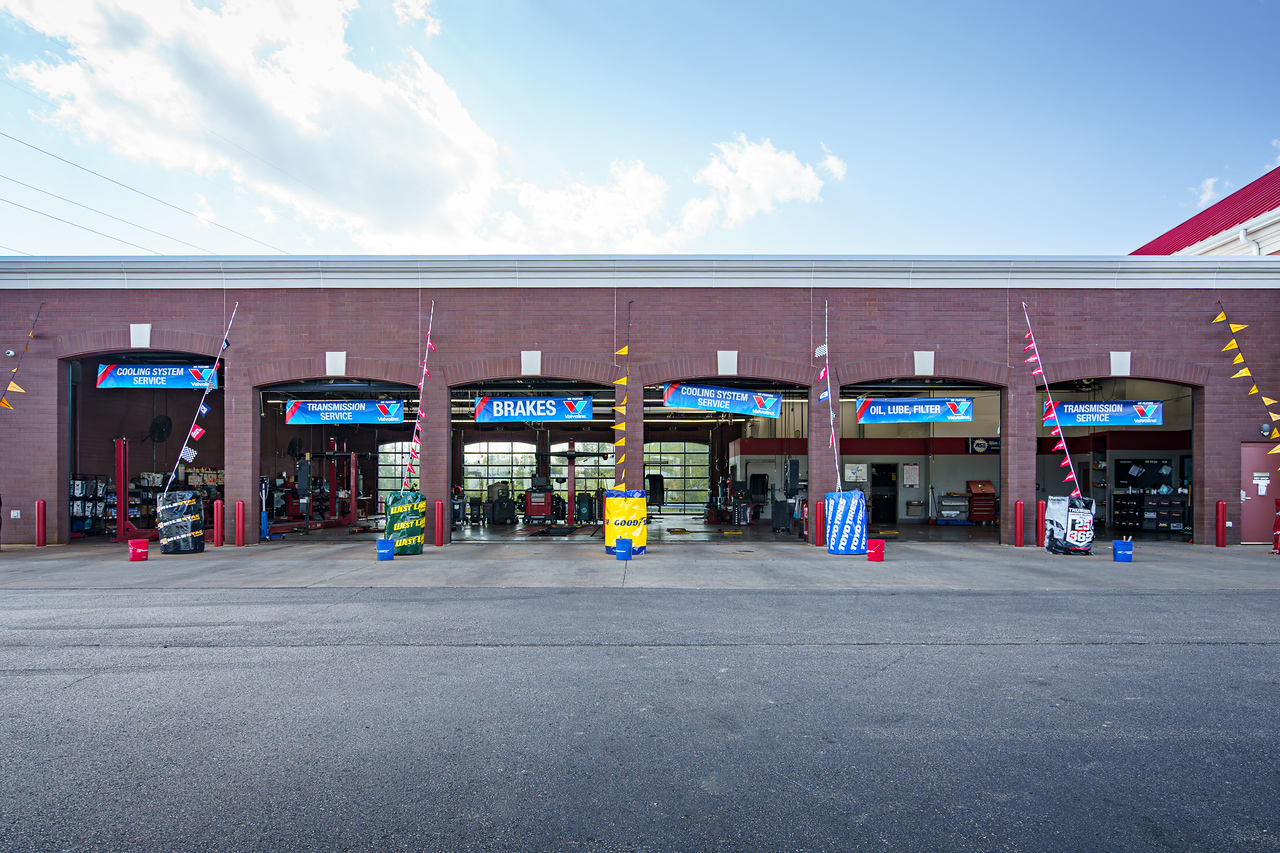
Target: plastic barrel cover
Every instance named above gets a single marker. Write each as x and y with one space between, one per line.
846 515
1068 526
180 521
626 514
406 521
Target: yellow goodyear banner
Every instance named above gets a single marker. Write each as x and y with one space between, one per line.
625 516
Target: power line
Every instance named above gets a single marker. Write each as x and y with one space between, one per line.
108 215
17 251
141 193
74 225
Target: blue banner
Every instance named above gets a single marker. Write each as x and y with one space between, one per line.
157 376
344 412
681 395
1109 413
521 409
846 515
915 410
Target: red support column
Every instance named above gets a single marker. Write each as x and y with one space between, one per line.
239 524
1019 514
122 489
439 524
819 521
217 524
40 540
1042 509
1221 531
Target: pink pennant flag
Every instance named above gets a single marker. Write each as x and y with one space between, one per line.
1075 493
1070 478
1037 372
1066 461
1028 334
430 345
831 442
823 374
1031 359
413 453
411 471
428 372
196 432
1061 445
1029 346
1056 431
420 381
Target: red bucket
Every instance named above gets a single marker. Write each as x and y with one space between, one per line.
138 549
875 550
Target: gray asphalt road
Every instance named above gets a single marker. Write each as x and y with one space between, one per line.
436 719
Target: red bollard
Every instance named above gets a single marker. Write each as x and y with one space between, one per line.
239 524
1019 514
819 522
217 524
439 523
1221 541
40 541
1042 509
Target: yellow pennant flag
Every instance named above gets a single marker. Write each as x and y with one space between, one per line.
1231 346
622 426
1244 371
1275 449
1274 416
620 442
4 404
1236 327
1253 390
1267 401
1238 359
620 487
622 381
620 459
13 386
1221 316
1275 433
622 351
622 409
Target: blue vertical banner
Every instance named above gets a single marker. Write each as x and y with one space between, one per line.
846 519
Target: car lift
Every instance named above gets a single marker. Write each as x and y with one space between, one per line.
571 455
125 529
349 519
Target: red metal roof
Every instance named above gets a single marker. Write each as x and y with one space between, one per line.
1257 198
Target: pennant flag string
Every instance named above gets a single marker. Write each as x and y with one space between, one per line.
1051 407
621 409
1239 359
187 453
826 374
13 386
426 374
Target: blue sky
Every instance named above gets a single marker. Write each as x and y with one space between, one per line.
492 126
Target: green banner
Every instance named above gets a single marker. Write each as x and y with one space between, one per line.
406 521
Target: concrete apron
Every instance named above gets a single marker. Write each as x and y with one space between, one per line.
688 565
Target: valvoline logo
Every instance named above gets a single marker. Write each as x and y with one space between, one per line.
763 401
959 407
575 407
385 409
1147 411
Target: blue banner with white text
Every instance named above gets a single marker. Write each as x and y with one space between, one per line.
522 409
682 395
1108 413
915 410
344 412
157 376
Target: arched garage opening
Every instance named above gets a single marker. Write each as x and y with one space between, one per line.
531 458
128 412
726 459
330 451
926 452
1131 442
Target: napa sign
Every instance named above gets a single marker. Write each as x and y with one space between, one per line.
520 409
682 395
915 410
1109 413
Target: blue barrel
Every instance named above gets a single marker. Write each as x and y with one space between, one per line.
386 549
1121 551
622 548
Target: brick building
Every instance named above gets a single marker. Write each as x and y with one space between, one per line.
1138 327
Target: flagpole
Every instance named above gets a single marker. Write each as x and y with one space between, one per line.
416 442
835 441
1053 407
213 377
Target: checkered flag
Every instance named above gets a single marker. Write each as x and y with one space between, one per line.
188 454
820 351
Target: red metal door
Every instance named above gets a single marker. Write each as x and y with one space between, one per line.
1259 484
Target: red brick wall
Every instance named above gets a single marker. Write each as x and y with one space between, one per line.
675 334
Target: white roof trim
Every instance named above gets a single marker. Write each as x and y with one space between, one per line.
1128 272
1232 234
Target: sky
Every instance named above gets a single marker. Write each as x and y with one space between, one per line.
442 127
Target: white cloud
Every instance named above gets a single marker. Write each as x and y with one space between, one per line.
833 165
1205 193
391 158
408 11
